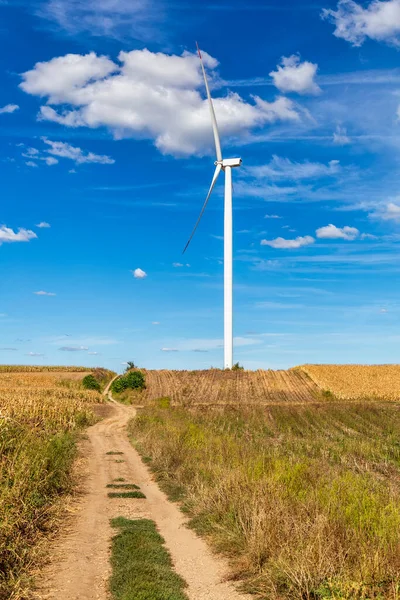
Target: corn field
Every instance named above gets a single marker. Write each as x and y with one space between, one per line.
40 413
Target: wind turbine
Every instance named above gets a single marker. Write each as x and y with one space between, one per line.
225 165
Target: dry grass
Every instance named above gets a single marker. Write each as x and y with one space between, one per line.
356 382
40 413
305 500
216 387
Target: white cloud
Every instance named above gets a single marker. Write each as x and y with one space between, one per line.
340 137
288 244
147 95
34 354
9 108
64 150
8 235
176 264
43 225
284 169
94 353
155 322
169 349
331 232
379 21
139 274
388 211
295 76
30 163
73 348
118 19
272 217
43 293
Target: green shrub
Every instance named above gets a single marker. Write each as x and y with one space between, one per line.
134 380
90 383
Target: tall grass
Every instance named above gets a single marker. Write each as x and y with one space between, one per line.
304 500
38 431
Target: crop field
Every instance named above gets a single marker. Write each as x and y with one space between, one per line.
215 387
40 414
303 499
349 382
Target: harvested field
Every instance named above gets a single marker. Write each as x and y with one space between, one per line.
356 382
41 369
215 387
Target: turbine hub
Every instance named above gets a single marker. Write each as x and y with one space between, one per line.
231 162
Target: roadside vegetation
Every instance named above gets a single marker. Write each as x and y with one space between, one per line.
41 414
142 567
305 500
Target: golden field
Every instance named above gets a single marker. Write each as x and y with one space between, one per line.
41 413
356 382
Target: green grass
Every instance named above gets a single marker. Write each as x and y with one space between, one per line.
113 453
126 486
304 500
120 461
119 479
141 565
134 494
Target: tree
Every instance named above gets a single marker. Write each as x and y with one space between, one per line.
130 365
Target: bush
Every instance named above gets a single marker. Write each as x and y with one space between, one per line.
134 380
90 383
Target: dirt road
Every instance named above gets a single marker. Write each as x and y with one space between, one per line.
79 569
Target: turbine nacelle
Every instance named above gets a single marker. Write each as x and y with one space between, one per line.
230 162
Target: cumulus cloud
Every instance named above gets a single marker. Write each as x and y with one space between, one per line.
8 235
280 242
378 21
331 232
43 293
43 225
147 95
284 169
272 217
30 163
9 108
292 75
73 348
139 274
340 137
79 156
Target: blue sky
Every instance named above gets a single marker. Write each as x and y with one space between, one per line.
106 156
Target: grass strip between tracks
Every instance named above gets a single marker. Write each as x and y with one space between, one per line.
141 565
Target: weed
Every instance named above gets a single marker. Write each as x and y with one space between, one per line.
113 453
141 565
127 486
120 461
134 494
119 479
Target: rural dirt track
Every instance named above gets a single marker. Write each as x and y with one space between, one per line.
79 567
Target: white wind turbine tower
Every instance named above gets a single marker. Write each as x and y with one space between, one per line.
225 165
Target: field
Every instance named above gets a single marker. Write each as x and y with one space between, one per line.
217 388
350 382
289 474
41 411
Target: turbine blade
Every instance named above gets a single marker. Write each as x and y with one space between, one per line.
214 179
212 112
